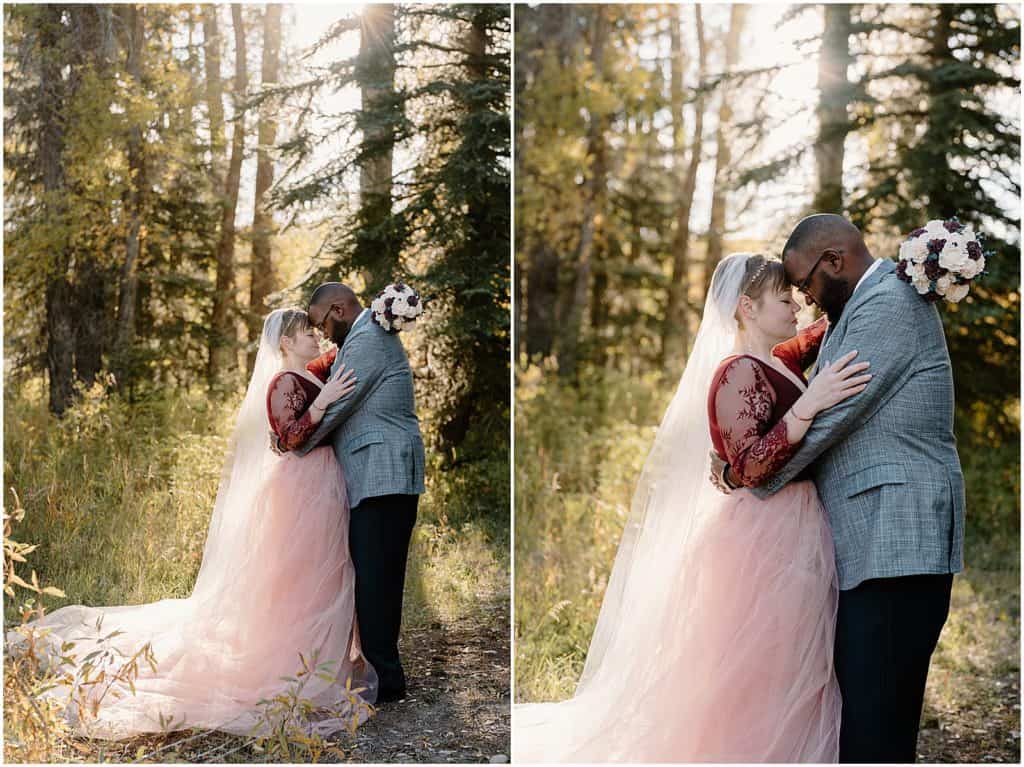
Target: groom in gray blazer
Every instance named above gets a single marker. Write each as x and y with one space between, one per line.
376 436
886 468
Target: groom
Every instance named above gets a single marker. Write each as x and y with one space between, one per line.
886 468
376 437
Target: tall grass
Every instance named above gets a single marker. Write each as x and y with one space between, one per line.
578 454
118 497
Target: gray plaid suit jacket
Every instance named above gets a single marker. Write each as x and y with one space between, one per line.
373 428
885 461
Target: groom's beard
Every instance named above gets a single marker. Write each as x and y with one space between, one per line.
339 332
833 299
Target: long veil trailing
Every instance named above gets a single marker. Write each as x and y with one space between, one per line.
275 580
627 660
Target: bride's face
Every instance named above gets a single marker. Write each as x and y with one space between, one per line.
776 316
304 345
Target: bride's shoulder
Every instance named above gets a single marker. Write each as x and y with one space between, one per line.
737 370
284 380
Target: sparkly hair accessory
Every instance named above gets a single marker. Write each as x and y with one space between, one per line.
752 280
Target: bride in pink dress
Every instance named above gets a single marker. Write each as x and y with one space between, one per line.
715 637
276 580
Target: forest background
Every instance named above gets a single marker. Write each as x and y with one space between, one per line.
652 140
172 173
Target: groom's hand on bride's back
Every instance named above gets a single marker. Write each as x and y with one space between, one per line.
275 445
717 477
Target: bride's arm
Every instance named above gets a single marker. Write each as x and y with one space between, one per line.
755 448
291 417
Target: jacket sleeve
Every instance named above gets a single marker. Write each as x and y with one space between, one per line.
357 355
883 332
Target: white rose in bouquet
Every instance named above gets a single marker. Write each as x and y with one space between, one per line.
915 251
953 256
957 293
972 267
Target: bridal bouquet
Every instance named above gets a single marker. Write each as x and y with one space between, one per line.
941 259
395 307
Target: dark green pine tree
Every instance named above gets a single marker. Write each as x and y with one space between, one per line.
464 200
956 157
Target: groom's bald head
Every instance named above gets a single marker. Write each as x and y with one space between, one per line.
824 257
333 308
820 231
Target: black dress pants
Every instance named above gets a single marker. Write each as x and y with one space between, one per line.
886 631
379 534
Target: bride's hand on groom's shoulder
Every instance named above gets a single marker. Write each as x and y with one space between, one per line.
834 383
337 386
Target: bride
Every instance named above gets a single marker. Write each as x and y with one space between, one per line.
276 580
714 641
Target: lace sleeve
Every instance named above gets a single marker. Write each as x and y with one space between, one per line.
800 351
755 447
289 412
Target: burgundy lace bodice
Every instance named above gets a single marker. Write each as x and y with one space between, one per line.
288 399
747 400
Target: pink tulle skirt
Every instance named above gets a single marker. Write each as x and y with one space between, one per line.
274 617
740 670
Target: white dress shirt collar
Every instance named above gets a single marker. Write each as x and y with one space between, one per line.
864 276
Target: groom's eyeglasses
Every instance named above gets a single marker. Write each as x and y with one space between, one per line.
320 325
802 287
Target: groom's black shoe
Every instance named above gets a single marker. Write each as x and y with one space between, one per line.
390 696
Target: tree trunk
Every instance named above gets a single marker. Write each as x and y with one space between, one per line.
723 155
262 278
675 332
376 246
134 23
223 342
555 33
542 300
58 298
932 183
593 208
97 44
214 92
833 118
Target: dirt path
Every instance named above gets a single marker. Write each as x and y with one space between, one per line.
982 726
457 708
